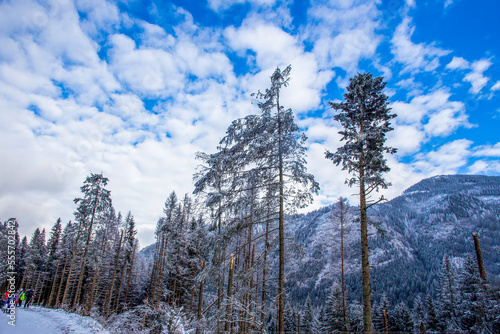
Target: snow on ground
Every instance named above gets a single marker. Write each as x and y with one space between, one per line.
39 320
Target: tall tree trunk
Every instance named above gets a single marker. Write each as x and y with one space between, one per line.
229 294
84 259
56 303
365 266
36 285
263 306
281 228
344 311
120 287
130 272
386 326
51 295
114 275
200 294
70 269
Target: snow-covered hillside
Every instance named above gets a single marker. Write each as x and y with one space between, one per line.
433 218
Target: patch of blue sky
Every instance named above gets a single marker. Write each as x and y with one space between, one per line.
470 28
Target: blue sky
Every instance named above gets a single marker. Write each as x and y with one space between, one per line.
135 88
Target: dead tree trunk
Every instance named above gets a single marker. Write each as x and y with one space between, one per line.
480 265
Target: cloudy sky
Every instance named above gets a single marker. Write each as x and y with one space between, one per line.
134 88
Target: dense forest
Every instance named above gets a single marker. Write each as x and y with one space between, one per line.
236 257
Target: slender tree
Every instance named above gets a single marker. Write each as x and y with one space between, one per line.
96 201
365 117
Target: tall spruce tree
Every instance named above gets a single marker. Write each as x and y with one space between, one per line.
365 117
261 156
95 204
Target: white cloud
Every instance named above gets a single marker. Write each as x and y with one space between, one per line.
485 166
274 47
488 151
447 159
434 113
448 3
414 57
496 86
220 5
476 77
458 63
343 33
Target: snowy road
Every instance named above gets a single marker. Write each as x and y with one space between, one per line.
38 320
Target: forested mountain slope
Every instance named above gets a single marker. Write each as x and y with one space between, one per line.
410 236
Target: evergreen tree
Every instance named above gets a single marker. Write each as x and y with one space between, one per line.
261 157
334 310
53 243
291 319
378 314
447 316
96 203
308 321
402 321
431 318
418 312
470 303
365 117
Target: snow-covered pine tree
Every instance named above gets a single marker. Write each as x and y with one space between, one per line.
432 321
308 321
470 301
418 313
343 215
447 296
95 203
401 321
334 310
378 314
264 154
23 253
53 257
365 117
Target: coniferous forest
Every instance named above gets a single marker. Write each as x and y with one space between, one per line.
236 257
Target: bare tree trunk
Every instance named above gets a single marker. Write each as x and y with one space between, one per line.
21 286
69 273
200 294
480 265
342 218
386 326
281 228
130 272
56 303
114 275
120 287
298 324
84 259
263 306
36 285
365 266
154 272
51 295
40 294
229 294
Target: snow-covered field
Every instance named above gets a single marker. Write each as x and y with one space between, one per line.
38 320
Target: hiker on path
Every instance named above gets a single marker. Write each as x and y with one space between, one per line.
29 297
22 297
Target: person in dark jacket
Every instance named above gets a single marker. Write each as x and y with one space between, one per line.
29 297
